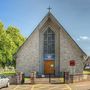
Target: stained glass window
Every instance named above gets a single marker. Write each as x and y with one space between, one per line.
49 42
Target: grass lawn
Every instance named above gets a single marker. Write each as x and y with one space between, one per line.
86 72
27 78
8 73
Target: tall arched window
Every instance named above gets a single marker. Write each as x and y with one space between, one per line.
49 42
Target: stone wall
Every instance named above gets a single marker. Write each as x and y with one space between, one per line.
30 56
81 78
27 59
12 79
69 51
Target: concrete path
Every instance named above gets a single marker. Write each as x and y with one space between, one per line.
75 86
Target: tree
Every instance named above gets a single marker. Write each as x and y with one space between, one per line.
6 47
16 37
10 41
14 33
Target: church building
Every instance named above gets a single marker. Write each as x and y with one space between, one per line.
50 50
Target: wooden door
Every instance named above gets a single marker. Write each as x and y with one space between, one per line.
49 67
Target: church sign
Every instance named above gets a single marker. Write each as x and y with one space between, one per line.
72 62
49 57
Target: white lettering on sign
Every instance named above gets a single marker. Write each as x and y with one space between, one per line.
49 57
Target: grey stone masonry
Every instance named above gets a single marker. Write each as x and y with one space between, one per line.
27 59
30 55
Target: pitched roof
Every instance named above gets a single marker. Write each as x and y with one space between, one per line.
49 15
87 63
88 60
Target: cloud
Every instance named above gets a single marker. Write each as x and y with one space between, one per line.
83 38
84 42
78 39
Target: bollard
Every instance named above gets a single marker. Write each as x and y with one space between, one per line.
66 77
33 77
22 78
18 78
71 78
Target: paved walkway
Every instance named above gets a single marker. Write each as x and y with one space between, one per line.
75 86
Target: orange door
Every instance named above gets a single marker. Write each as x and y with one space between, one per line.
49 67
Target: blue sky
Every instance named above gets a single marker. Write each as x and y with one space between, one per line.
74 15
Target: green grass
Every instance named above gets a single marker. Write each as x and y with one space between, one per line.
27 78
8 73
86 72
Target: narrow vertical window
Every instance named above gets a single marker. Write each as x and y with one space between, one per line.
49 42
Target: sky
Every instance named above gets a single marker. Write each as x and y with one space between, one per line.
73 15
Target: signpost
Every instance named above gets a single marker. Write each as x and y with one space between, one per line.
72 67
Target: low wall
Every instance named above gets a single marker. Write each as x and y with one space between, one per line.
12 79
80 78
16 79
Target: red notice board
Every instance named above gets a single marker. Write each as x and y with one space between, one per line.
72 62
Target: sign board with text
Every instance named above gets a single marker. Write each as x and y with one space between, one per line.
72 62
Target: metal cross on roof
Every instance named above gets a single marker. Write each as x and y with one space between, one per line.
49 8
